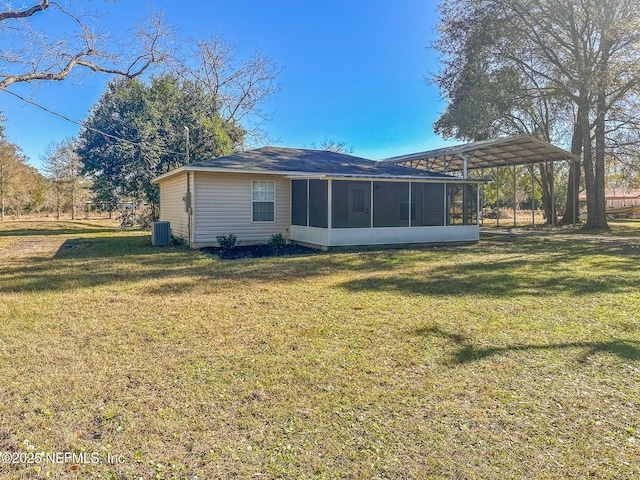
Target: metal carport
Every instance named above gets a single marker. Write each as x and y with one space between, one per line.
503 152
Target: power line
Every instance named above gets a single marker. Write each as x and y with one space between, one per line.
114 137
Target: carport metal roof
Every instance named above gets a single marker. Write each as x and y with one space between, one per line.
509 151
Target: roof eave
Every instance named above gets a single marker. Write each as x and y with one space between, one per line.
297 174
168 174
195 168
424 178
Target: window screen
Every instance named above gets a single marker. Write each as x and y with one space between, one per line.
299 202
427 204
462 204
350 204
319 203
390 204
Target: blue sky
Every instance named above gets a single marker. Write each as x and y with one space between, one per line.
354 71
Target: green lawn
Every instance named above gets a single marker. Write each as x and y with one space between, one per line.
518 357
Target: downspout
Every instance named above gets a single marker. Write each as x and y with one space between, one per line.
189 201
189 211
465 166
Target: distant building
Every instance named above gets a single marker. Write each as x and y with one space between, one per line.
618 197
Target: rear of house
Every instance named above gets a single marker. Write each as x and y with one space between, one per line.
318 198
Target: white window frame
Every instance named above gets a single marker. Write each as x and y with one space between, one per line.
253 183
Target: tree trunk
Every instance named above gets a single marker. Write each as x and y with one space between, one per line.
594 170
598 219
572 211
587 159
58 204
546 177
73 200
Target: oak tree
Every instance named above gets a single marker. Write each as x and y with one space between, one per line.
136 131
580 56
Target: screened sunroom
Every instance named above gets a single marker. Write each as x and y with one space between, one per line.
328 212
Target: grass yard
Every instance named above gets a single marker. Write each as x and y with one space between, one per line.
518 357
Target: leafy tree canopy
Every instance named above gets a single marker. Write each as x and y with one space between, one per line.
136 131
22 187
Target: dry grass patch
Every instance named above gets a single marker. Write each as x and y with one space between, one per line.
514 358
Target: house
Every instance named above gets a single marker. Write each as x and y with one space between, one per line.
317 198
618 197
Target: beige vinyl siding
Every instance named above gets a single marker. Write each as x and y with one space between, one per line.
223 206
172 208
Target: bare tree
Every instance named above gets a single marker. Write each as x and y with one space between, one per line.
31 51
238 88
333 146
63 167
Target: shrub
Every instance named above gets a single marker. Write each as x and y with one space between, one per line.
227 242
277 241
142 218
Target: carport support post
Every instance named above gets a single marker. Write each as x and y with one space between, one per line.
515 203
478 203
533 197
553 198
481 197
576 203
497 196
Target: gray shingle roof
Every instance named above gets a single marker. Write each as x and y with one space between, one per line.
277 159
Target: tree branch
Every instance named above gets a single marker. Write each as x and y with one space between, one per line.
28 55
44 4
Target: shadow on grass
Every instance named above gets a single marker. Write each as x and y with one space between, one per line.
494 269
493 283
58 227
467 352
536 267
87 262
94 261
